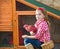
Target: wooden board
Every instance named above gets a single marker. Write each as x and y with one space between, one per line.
5 15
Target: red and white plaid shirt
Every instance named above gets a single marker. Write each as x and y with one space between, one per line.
42 30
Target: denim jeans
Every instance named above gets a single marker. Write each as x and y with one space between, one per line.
36 43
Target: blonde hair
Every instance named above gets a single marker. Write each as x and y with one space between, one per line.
43 10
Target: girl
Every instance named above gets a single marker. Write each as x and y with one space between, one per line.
43 34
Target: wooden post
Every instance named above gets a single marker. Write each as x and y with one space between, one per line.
15 23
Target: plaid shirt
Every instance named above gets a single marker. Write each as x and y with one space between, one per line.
42 30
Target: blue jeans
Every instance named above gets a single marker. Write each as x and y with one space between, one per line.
34 42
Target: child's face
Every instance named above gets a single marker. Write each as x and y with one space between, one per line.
39 15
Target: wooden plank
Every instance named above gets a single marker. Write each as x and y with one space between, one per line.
25 12
21 47
6 19
53 15
5 24
5 15
9 18
33 13
5 29
1 23
6 48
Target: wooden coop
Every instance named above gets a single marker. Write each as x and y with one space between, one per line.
13 15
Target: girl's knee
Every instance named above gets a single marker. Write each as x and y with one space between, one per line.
26 41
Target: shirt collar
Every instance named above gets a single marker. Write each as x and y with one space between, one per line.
39 21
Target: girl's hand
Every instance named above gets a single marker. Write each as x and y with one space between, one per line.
24 36
32 33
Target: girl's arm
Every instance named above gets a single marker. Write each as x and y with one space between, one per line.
27 36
